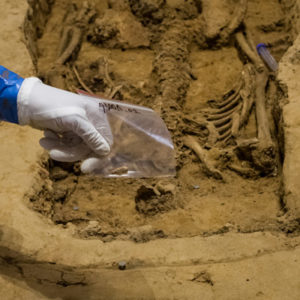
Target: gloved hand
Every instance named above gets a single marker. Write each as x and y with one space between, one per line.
75 127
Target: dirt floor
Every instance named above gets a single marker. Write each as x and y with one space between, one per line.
188 61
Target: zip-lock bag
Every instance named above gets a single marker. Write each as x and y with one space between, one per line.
141 145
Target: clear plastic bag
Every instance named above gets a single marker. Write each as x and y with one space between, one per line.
142 145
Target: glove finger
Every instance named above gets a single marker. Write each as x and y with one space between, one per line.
61 151
92 165
67 154
84 129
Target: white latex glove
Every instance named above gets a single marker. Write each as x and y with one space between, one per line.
75 127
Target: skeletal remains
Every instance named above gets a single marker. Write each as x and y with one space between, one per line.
226 117
232 112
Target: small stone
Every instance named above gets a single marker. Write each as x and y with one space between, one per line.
108 238
122 265
75 208
229 226
196 187
71 227
92 224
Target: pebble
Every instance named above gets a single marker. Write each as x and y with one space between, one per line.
75 208
196 187
122 265
92 224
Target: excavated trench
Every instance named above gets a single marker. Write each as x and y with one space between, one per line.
183 59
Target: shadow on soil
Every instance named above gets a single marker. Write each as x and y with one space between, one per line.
56 281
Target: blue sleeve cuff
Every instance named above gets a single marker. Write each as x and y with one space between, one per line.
10 84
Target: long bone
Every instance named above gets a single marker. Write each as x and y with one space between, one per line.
72 34
202 154
232 113
74 26
263 153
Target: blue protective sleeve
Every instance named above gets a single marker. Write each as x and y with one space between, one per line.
10 84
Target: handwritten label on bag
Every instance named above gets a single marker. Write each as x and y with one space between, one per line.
112 106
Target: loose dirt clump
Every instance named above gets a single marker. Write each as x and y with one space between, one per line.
118 30
195 63
152 200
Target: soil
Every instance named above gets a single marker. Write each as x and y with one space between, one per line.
223 227
175 57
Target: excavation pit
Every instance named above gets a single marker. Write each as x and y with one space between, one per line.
67 233
114 209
